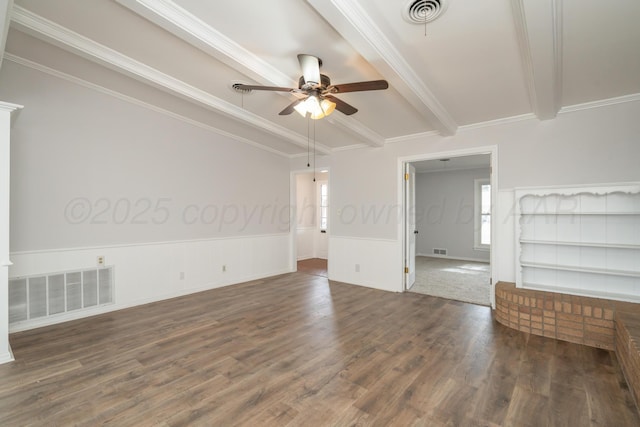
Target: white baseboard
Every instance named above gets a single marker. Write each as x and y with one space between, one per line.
153 272
7 357
81 314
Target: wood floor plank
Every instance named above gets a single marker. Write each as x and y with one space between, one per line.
298 350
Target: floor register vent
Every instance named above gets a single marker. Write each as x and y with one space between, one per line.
41 296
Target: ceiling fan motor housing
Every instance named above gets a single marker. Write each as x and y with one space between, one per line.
325 82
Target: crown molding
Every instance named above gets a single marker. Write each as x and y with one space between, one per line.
53 33
541 53
81 82
181 23
499 122
600 103
351 20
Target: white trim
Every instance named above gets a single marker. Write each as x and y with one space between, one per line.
493 151
180 22
600 103
7 357
412 137
96 52
37 323
543 74
76 80
158 243
354 24
369 239
477 214
498 122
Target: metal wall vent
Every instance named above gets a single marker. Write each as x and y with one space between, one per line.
423 11
37 297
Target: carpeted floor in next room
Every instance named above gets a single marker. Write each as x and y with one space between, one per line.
465 281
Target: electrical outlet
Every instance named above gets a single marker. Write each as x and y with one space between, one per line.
100 260
357 268
224 268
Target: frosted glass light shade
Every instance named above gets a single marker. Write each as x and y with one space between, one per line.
316 108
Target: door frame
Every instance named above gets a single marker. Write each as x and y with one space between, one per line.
492 150
293 219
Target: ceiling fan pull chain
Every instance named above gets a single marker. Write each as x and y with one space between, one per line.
308 143
314 151
425 24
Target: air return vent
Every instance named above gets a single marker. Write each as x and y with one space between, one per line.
42 296
423 11
438 251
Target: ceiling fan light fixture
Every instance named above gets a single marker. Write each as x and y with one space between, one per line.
317 109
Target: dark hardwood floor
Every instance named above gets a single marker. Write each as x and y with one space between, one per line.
315 266
296 350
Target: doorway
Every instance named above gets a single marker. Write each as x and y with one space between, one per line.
310 227
447 226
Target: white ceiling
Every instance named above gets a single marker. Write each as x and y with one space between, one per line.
480 61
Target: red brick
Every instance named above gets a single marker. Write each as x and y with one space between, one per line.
549 327
597 312
536 325
566 307
599 322
570 317
557 306
598 329
577 309
586 310
564 324
551 314
548 304
608 314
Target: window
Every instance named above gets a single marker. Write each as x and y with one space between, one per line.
482 214
324 206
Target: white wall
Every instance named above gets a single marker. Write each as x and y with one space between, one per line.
597 145
445 213
305 215
94 175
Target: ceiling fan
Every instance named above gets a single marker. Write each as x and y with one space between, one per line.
315 92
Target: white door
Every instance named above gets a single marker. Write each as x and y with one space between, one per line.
410 225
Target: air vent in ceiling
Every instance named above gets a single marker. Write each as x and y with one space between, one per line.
423 11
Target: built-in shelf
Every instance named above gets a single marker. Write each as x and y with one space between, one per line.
581 244
573 291
580 213
590 236
593 270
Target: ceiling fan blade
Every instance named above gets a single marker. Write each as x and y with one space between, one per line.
310 66
252 87
342 106
359 86
290 107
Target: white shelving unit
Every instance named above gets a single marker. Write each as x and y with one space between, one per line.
580 240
